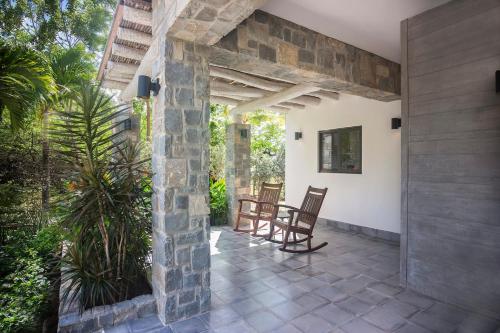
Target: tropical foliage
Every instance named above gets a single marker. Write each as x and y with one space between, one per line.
45 23
107 208
25 82
218 202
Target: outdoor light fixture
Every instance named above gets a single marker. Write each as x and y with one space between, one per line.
127 124
498 81
243 133
145 85
395 123
298 135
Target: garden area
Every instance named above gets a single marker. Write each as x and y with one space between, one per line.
75 191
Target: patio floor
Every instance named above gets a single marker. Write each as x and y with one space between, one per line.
349 286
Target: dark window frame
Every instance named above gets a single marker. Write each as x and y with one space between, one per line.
332 132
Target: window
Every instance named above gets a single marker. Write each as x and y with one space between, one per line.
340 150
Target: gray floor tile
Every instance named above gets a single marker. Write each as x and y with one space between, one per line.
371 297
289 310
385 319
354 305
246 307
237 327
331 293
193 325
270 298
415 299
312 324
411 328
333 314
385 289
288 328
264 321
360 326
220 317
311 301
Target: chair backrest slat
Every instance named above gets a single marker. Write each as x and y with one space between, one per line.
270 193
312 203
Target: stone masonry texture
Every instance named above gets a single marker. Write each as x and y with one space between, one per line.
237 166
181 250
203 21
269 46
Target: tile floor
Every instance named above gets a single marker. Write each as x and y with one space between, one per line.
350 286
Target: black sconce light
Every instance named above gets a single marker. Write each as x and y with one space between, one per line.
395 123
145 85
497 75
298 135
127 124
268 152
243 133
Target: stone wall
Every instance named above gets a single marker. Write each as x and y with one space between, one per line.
92 320
237 166
269 46
181 250
202 21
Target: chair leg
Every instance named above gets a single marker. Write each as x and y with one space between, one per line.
309 242
295 237
255 226
285 239
271 231
237 228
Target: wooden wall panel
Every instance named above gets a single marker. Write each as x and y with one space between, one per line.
451 154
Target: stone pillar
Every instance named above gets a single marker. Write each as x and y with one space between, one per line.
237 166
181 249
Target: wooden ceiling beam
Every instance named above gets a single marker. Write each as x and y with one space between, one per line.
274 99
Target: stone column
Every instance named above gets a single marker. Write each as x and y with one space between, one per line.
181 250
237 166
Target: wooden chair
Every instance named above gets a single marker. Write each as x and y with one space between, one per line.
298 221
262 209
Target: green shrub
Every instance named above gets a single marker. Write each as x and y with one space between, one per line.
23 295
218 202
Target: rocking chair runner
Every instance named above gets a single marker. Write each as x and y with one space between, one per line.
299 221
269 195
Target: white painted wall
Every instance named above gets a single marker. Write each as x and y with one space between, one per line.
370 199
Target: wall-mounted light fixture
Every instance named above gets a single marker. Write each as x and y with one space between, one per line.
298 135
127 124
145 86
243 133
497 78
395 123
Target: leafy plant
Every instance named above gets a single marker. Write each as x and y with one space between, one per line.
23 295
218 202
107 203
25 81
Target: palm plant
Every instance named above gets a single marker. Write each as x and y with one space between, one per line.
70 68
25 81
108 203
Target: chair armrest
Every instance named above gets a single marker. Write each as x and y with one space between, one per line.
285 206
249 200
300 211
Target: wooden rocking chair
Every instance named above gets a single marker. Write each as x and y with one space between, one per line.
298 221
262 209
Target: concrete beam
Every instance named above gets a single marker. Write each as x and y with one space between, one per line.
269 46
133 37
127 52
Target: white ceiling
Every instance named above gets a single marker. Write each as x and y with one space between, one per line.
372 25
